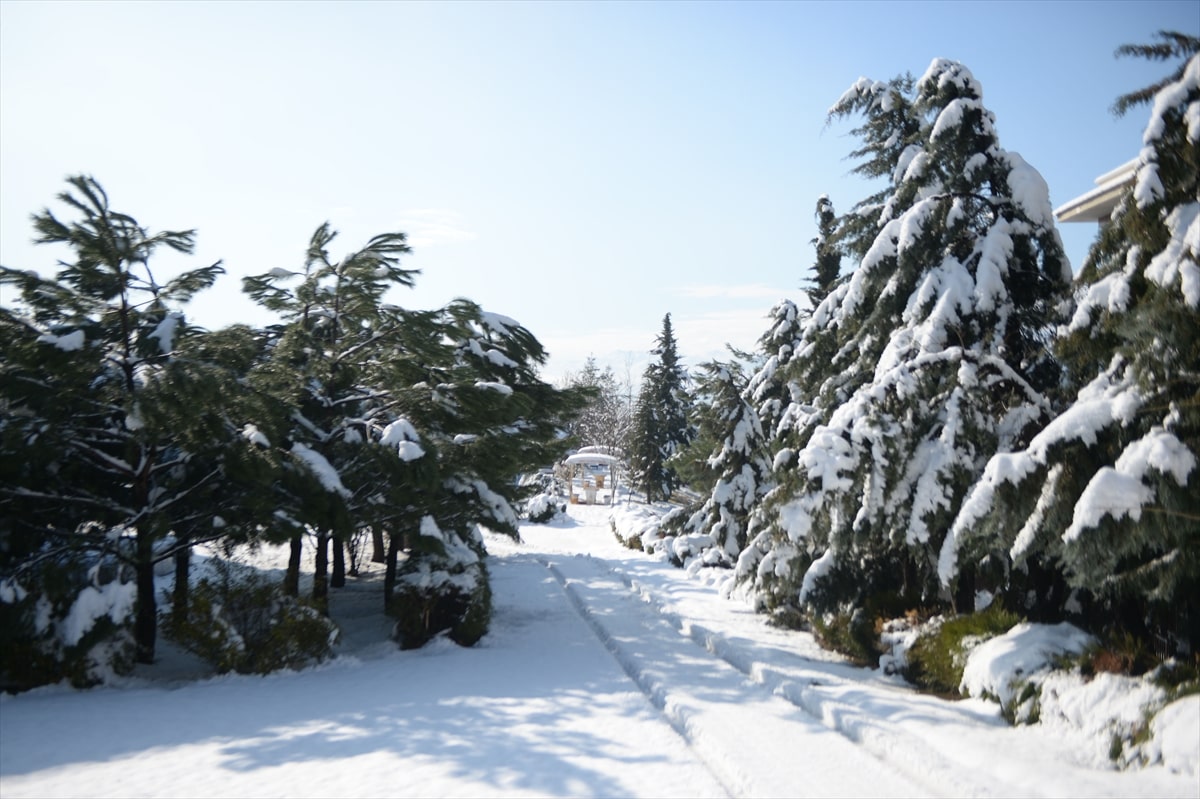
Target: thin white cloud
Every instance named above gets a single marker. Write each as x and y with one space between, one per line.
703 336
429 227
742 291
700 336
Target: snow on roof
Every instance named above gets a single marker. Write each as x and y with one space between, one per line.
1097 204
592 457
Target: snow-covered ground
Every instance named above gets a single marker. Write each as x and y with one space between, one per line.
606 673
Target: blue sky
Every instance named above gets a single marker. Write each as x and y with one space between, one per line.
584 168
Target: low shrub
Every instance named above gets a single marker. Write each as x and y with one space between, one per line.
434 597
545 508
242 621
852 633
937 658
857 631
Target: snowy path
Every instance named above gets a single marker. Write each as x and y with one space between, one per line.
606 673
754 742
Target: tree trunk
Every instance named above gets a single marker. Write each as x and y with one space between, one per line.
291 579
145 627
378 551
182 593
389 574
320 589
964 591
338 580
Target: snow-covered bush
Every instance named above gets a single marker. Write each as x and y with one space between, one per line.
638 527
68 617
938 658
545 508
443 590
1047 674
239 620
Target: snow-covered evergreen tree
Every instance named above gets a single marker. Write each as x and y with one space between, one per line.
928 359
715 531
317 370
493 419
828 265
661 424
767 389
1109 491
411 423
113 438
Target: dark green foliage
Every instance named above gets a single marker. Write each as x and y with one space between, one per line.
241 621
937 659
661 426
1174 45
828 264
859 599
1105 496
42 641
438 596
128 430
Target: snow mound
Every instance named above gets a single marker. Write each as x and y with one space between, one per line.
998 666
1173 736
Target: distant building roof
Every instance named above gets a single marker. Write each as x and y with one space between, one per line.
1098 204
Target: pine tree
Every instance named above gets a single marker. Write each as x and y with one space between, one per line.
319 371
490 418
414 424
828 264
925 361
114 440
1108 491
661 426
714 531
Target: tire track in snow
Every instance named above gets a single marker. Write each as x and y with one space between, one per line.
676 716
900 749
752 741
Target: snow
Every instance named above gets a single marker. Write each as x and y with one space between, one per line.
114 599
1120 490
491 385
409 451
1030 192
252 434
1173 732
496 357
606 673
166 330
68 343
951 116
994 666
322 468
403 436
1178 260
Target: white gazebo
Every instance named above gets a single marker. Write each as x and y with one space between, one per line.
585 482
